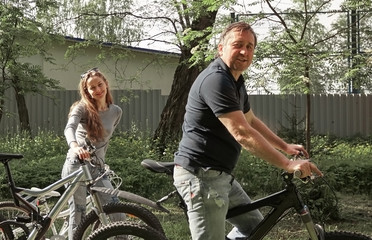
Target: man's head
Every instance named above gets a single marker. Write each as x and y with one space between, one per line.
237 26
236 47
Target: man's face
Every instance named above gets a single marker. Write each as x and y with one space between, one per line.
237 51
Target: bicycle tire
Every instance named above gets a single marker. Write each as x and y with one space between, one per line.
342 235
139 213
12 230
130 230
9 211
5 231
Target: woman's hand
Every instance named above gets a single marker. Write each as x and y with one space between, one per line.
81 152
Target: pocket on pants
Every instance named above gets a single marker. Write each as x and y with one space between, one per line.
189 190
71 164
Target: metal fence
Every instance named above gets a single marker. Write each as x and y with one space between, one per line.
339 115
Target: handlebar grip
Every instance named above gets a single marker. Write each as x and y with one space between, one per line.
297 173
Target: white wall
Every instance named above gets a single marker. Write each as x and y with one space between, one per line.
125 68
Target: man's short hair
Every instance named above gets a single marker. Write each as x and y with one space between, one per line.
238 26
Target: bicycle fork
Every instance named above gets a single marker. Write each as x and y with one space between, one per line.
315 230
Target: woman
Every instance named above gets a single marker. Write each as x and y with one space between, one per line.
94 117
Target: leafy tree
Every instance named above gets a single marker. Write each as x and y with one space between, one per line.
194 28
189 26
186 25
22 37
108 26
299 52
358 73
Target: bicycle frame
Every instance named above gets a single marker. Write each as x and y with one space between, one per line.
63 230
44 222
279 202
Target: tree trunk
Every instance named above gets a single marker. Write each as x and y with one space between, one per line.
22 111
169 128
2 103
308 123
308 110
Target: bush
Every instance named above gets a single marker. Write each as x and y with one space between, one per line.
43 154
346 164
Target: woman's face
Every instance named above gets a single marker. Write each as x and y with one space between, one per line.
97 88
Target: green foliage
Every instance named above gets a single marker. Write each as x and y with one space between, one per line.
303 53
345 163
23 37
124 155
44 156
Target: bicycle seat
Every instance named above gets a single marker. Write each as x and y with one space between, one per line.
5 157
158 167
47 195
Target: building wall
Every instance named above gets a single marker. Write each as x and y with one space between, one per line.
125 67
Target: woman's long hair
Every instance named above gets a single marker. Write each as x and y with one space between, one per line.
94 125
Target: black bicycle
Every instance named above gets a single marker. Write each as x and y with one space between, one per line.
279 203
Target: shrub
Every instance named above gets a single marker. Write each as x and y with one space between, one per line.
346 164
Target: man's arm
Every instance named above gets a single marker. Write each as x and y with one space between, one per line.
275 141
253 141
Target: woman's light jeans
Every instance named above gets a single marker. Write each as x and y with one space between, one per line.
208 195
77 203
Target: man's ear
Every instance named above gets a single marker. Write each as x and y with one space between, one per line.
220 49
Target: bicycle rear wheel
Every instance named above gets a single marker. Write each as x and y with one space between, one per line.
12 230
9 211
134 213
125 230
342 235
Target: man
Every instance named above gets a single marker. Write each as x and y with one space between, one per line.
217 123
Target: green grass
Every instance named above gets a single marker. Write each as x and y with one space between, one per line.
355 211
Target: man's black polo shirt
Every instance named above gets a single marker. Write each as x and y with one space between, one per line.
205 141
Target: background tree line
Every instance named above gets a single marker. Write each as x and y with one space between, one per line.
300 54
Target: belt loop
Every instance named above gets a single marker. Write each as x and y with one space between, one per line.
232 179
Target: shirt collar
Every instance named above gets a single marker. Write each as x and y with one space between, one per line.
221 64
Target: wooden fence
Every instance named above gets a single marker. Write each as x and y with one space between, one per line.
340 115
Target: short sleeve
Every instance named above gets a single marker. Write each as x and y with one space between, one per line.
218 91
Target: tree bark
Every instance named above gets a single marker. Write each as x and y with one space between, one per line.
169 128
22 111
308 110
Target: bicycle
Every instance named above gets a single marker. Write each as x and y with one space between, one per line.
34 225
279 202
9 210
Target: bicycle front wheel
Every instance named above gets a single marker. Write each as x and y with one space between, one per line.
134 213
341 235
126 230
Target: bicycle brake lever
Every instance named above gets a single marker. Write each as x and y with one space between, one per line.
298 173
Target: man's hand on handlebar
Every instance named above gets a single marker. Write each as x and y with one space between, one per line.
303 168
296 150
